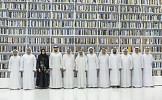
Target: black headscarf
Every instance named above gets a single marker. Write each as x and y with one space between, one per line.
44 51
43 58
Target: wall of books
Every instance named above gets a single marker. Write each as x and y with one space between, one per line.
80 24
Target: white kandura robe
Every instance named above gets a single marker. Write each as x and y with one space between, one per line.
115 65
68 64
137 65
15 75
126 64
103 62
147 71
81 67
55 62
92 61
28 65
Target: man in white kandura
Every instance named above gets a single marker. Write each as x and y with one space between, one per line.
103 62
28 67
126 64
115 67
81 68
68 67
147 71
137 65
92 61
55 64
14 69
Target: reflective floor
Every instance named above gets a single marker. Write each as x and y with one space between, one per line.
83 94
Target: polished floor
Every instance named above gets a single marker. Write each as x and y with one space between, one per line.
84 94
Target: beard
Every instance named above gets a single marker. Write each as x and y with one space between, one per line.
15 54
91 51
81 54
55 50
114 52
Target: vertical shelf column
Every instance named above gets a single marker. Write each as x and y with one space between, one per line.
51 13
74 16
119 41
26 34
97 41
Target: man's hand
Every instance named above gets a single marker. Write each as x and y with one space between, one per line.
64 69
75 70
61 69
98 69
39 70
50 68
34 70
21 70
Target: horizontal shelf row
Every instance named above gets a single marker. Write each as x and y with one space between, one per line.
78 44
91 12
78 28
84 3
84 36
88 20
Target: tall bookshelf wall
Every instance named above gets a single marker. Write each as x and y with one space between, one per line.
80 24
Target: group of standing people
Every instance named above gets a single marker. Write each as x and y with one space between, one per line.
57 71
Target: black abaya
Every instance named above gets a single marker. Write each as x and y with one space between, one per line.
42 79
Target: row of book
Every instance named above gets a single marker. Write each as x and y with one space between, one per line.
97 31
78 15
81 16
39 15
149 2
79 7
82 24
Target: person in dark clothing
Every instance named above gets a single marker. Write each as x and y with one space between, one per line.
42 80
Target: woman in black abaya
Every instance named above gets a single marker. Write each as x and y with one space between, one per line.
42 80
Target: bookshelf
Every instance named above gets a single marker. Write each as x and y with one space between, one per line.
80 24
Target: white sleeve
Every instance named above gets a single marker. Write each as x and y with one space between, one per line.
50 61
73 62
120 61
86 63
22 63
61 61
10 63
110 62
76 63
131 67
96 59
132 61
34 63
142 61
99 62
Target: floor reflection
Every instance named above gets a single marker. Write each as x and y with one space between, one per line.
83 94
